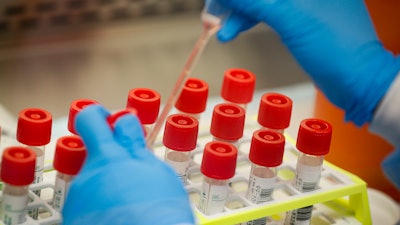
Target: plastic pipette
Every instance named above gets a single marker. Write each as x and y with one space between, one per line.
212 16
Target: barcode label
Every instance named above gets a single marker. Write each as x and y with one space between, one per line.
260 189
261 221
307 177
304 214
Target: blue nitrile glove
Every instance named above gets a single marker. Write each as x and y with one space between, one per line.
333 40
121 181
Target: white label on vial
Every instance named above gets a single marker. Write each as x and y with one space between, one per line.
180 168
307 177
39 169
260 189
60 193
213 198
14 209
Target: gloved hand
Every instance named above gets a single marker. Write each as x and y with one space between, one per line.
333 40
121 181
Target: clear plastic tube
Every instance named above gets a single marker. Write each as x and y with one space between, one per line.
180 161
14 201
39 168
313 143
214 195
260 188
61 188
212 17
17 173
308 174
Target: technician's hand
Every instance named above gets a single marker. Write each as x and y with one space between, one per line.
121 181
333 40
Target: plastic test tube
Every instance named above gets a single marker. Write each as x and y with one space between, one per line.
180 138
227 123
193 98
275 111
34 131
69 156
266 154
75 107
218 166
17 173
147 104
238 86
313 142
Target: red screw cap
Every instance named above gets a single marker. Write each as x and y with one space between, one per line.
146 102
75 107
112 119
267 147
227 121
314 137
180 132
34 127
219 160
275 111
69 155
238 86
193 98
18 166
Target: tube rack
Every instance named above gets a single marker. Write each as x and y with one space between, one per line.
340 199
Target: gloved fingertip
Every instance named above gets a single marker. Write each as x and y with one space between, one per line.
225 36
129 133
92 126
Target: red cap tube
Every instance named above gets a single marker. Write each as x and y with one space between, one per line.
69 155
75 107
180 132
227 121
18 166
238 86
267 147
193 98
275 111
219 160
146 102
314 137
34 127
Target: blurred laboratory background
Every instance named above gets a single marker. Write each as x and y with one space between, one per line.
53 52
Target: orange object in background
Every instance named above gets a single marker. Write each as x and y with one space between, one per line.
356 149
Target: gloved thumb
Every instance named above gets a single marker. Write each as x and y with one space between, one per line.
233 25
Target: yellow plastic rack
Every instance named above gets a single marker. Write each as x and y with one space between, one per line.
340 199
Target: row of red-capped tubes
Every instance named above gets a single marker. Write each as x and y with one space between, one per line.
23 165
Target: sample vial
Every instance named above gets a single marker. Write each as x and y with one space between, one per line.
238 86
266 154
147 104
34 131
275 111
227 123
17 173
193 98
313 142
69 156
217 166
75 107
180 138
